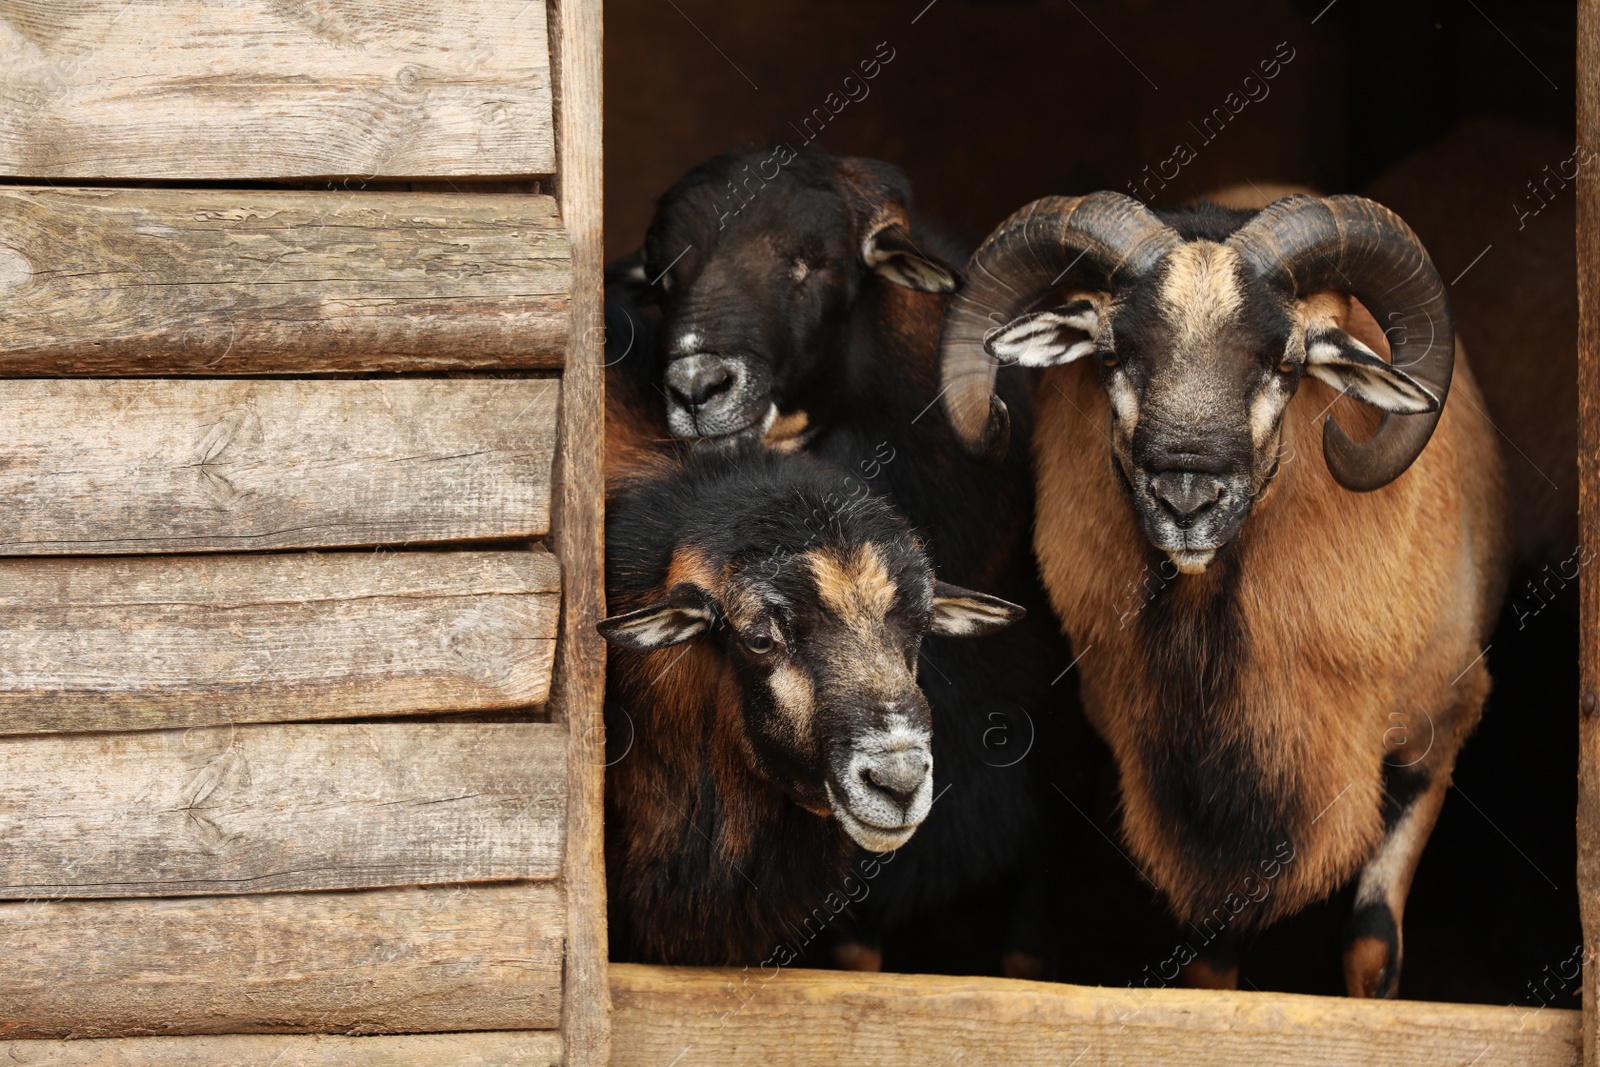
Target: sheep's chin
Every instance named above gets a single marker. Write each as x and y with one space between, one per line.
1189 561
873 838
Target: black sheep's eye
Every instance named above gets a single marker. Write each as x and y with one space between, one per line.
1108 357
1288 366
760 645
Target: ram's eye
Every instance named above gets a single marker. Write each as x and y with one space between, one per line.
1108 357
760 644
1288 366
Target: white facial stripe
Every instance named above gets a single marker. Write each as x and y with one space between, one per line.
1265 409
1124 401
791 688
688 343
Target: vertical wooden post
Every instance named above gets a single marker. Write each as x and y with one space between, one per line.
577 527
1588 192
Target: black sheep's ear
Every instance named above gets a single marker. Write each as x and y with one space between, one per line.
685 610
960 612
893 255
628 276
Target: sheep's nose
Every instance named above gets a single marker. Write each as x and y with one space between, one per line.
898 775
1187 494
695 380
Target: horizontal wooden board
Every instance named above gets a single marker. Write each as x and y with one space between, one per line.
526 1048
238 89
254 808
159 465
240 282
381 961
796 1018
149 642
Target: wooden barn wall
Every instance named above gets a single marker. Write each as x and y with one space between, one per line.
300 702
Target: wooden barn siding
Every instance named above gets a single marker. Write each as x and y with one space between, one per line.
230 283
162 465
577 532
247 89
251 809
799 1018
1588 238
378 961
240 282
149 642
515 1049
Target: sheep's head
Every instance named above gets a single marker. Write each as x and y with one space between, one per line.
1202 340
820 632
757 259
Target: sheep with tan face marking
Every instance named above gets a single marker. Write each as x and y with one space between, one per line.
1327 536
762 690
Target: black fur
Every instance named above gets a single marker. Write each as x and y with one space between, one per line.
867 377
675 897
1230 812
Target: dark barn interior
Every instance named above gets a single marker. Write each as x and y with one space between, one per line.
987 105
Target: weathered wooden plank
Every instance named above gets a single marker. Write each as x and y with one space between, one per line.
239 282
578 530
160 465
798 1018
525 1048
1588 238
250 809
150 642
237 89
380 961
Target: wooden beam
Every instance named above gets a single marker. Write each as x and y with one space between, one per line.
149 642
250 809
527 1048
249 89
578 529
797 1018
1588 237
159 465
383 961
240 282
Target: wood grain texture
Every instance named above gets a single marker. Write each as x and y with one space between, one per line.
273 808
241 282
578 530
1588 238
528 1048
382 961
819 1018
239 89
161 465
150 642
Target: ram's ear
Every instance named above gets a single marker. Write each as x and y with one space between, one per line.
960 612
685 610
880 200
1047 338
1339 359
628 276
892 254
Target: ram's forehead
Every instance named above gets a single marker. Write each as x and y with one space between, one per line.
1202 292
855 584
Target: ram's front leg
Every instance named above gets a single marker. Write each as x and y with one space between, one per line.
1416 776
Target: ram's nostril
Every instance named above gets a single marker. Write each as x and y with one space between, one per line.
1186 494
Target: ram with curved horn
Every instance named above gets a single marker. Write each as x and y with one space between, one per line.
1278 547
